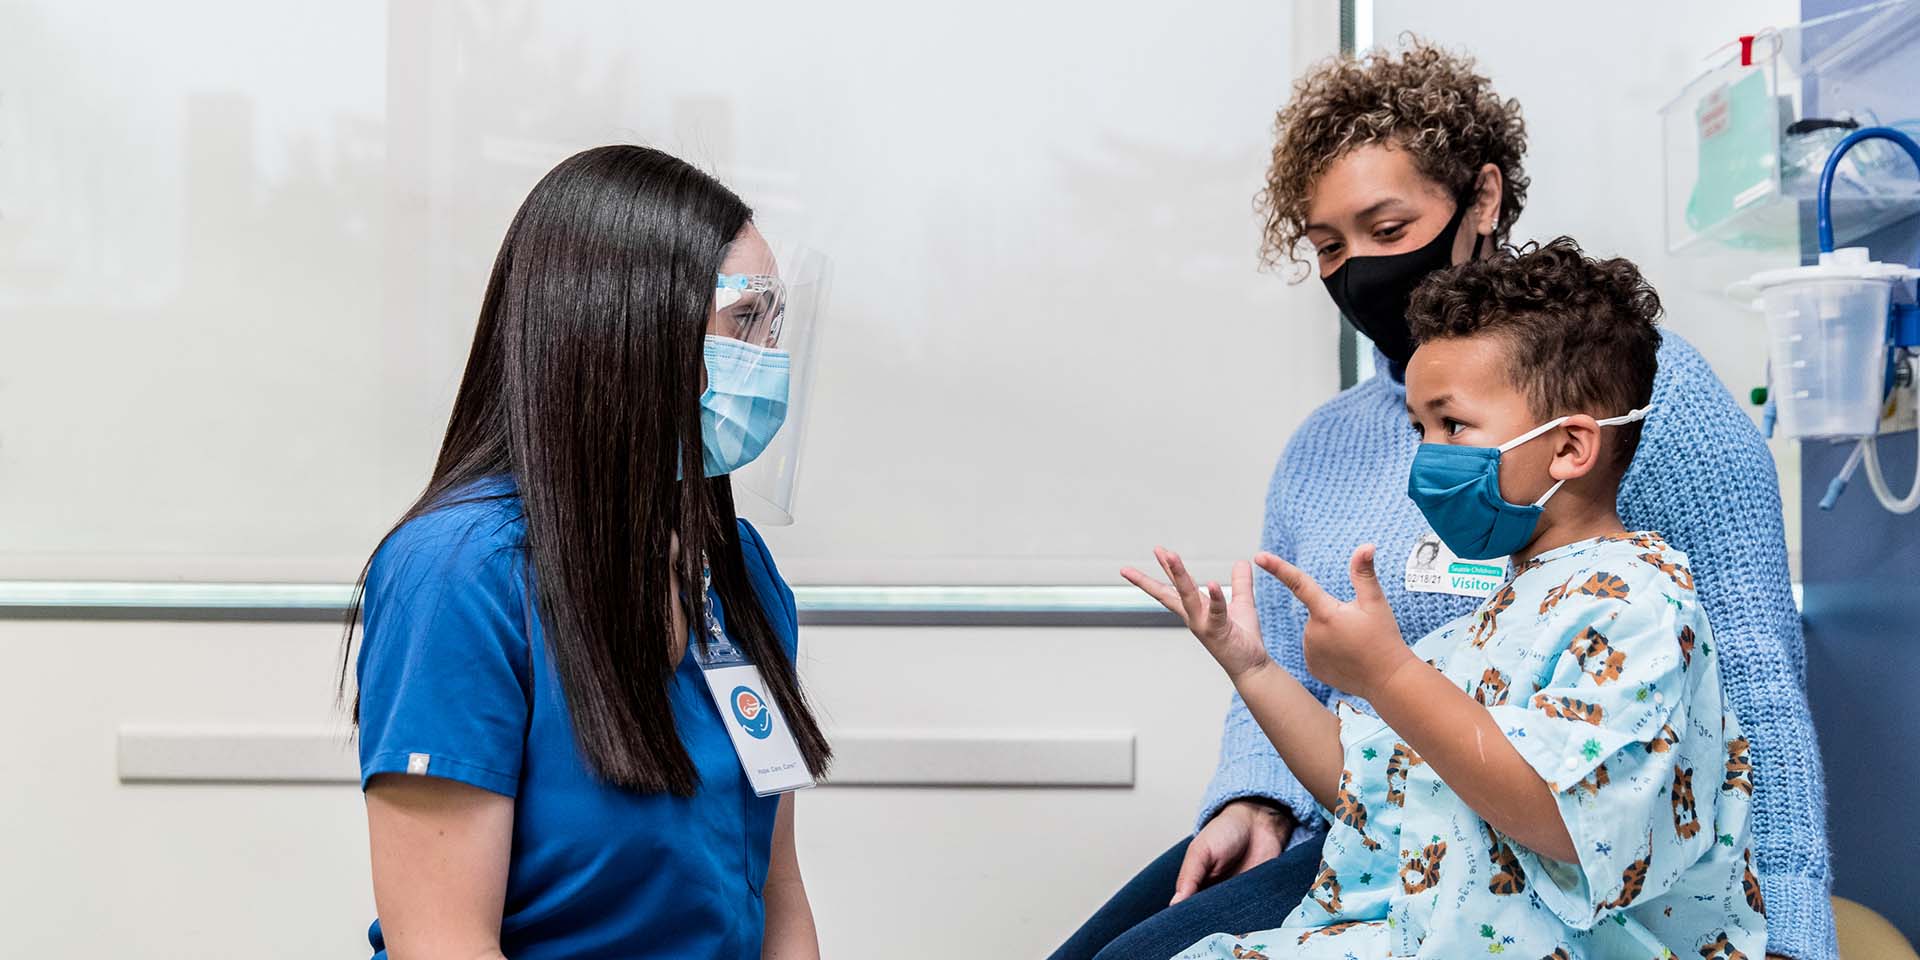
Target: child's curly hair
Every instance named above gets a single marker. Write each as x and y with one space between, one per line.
1580 332
1424 100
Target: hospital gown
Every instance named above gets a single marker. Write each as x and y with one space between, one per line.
1596 661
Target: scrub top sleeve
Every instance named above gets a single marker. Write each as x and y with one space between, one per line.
1601 732
444 669
772 588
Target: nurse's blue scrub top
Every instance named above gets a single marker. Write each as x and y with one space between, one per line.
456 682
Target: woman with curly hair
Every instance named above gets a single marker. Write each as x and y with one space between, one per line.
1386 168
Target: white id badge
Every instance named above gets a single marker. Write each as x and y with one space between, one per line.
1432 568
760 734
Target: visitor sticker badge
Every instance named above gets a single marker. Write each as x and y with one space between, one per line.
761 738
1432 568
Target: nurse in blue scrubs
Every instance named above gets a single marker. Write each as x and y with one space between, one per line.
569 641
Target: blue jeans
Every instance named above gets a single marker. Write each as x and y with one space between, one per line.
1137 924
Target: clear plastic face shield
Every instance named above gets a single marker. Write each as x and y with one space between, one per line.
759 352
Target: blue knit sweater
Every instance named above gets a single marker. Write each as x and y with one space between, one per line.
1702 476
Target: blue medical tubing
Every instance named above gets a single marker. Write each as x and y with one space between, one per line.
1835 488
1824 202
1903 320
1839 484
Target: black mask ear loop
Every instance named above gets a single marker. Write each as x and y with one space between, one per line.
1473 193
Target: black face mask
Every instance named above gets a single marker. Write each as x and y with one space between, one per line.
1373 292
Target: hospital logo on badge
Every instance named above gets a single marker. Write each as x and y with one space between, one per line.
752 714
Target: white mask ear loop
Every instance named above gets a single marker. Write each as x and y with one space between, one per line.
1549 494
1530 434
1625 418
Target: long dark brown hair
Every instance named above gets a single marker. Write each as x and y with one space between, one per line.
583 388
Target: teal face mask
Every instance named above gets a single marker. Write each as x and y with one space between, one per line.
1458 490
744 404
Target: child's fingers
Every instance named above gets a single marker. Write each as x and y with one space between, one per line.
1182 581
1317 601
1366 583
1155 589
1243 582
1216 604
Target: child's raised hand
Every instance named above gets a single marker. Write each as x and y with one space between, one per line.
1354 646
1229 630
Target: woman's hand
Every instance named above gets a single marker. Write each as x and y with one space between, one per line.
1229 630
1354 646
1243 835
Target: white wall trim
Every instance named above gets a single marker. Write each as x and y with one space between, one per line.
1104 606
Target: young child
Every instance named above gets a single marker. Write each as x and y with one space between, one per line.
1554 775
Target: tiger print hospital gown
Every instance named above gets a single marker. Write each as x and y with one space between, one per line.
1596 661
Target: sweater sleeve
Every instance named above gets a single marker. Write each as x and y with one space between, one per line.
1703 477
1249 766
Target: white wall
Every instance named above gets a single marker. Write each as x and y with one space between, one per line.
241 245
244 244
1591 79
96 868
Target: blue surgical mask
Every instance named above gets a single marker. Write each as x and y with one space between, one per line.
744 404
1458 490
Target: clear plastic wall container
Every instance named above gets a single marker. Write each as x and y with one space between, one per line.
1826 341
1744 142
